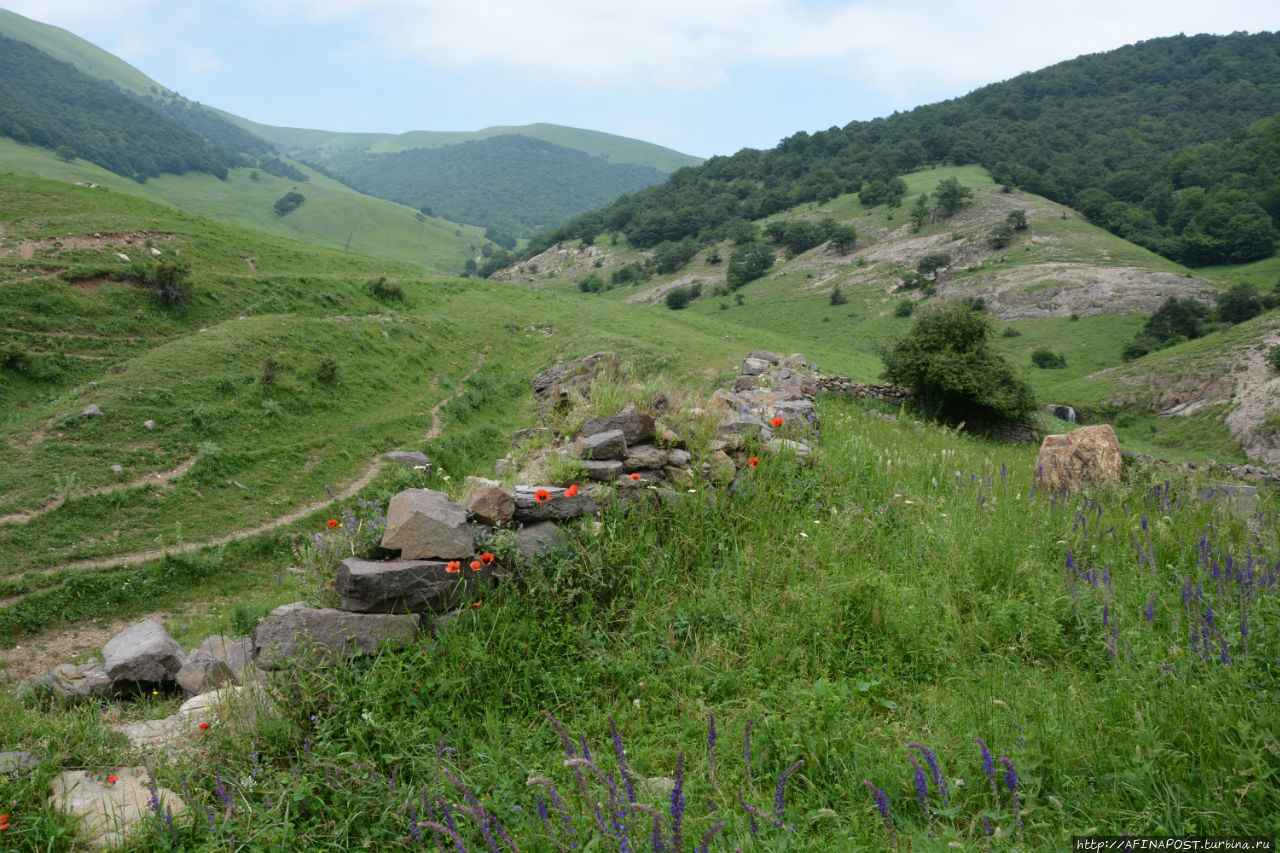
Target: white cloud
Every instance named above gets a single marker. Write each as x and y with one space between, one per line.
895 46
201 60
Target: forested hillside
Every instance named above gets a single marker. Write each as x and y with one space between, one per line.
1163 142
531 184
49 103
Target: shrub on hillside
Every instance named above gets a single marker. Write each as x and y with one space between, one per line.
288 203
748 263
945 359
678 298
167 280
1046 359
1273 357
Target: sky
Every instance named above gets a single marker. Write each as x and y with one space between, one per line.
703 77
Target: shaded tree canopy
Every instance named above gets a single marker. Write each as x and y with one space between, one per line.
945 358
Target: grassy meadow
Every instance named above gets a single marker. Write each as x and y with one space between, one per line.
1116 653
334 216
776 657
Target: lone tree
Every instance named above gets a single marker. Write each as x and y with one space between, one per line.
932 264
951 195
843 238
945 359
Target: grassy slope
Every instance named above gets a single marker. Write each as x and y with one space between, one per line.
199 375
906 588
332 215
792 301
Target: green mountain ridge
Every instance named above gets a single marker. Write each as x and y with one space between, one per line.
492 192
529 184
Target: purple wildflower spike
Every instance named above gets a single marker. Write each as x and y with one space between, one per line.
711 747
711 833
677 804
780 793
938 779
922 785
882 804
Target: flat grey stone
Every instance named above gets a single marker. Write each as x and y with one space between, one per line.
539 539
405 586
297 632
603 470
636 427
644 456
557 507
602 445
17 763
91 411
408 458
202 672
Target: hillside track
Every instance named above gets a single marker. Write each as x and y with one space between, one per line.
353 488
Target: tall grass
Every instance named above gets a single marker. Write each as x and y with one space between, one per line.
1053 666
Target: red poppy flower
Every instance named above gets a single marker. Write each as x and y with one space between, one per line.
203 726
476 603
333 522
4 822
541 495
486 558
635 476
454 567
753 461
572 491
475 565
111 780
777 422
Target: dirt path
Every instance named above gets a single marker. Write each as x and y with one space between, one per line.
365 479
164 478
37 652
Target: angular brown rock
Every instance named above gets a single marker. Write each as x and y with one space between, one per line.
1084 456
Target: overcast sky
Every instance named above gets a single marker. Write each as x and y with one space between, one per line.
701 76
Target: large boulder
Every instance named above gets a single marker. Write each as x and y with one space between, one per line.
404 586
297 632
1084 456
426 524
111 806
143 652
636 427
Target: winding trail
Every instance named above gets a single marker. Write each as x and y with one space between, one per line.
365 479
164 478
